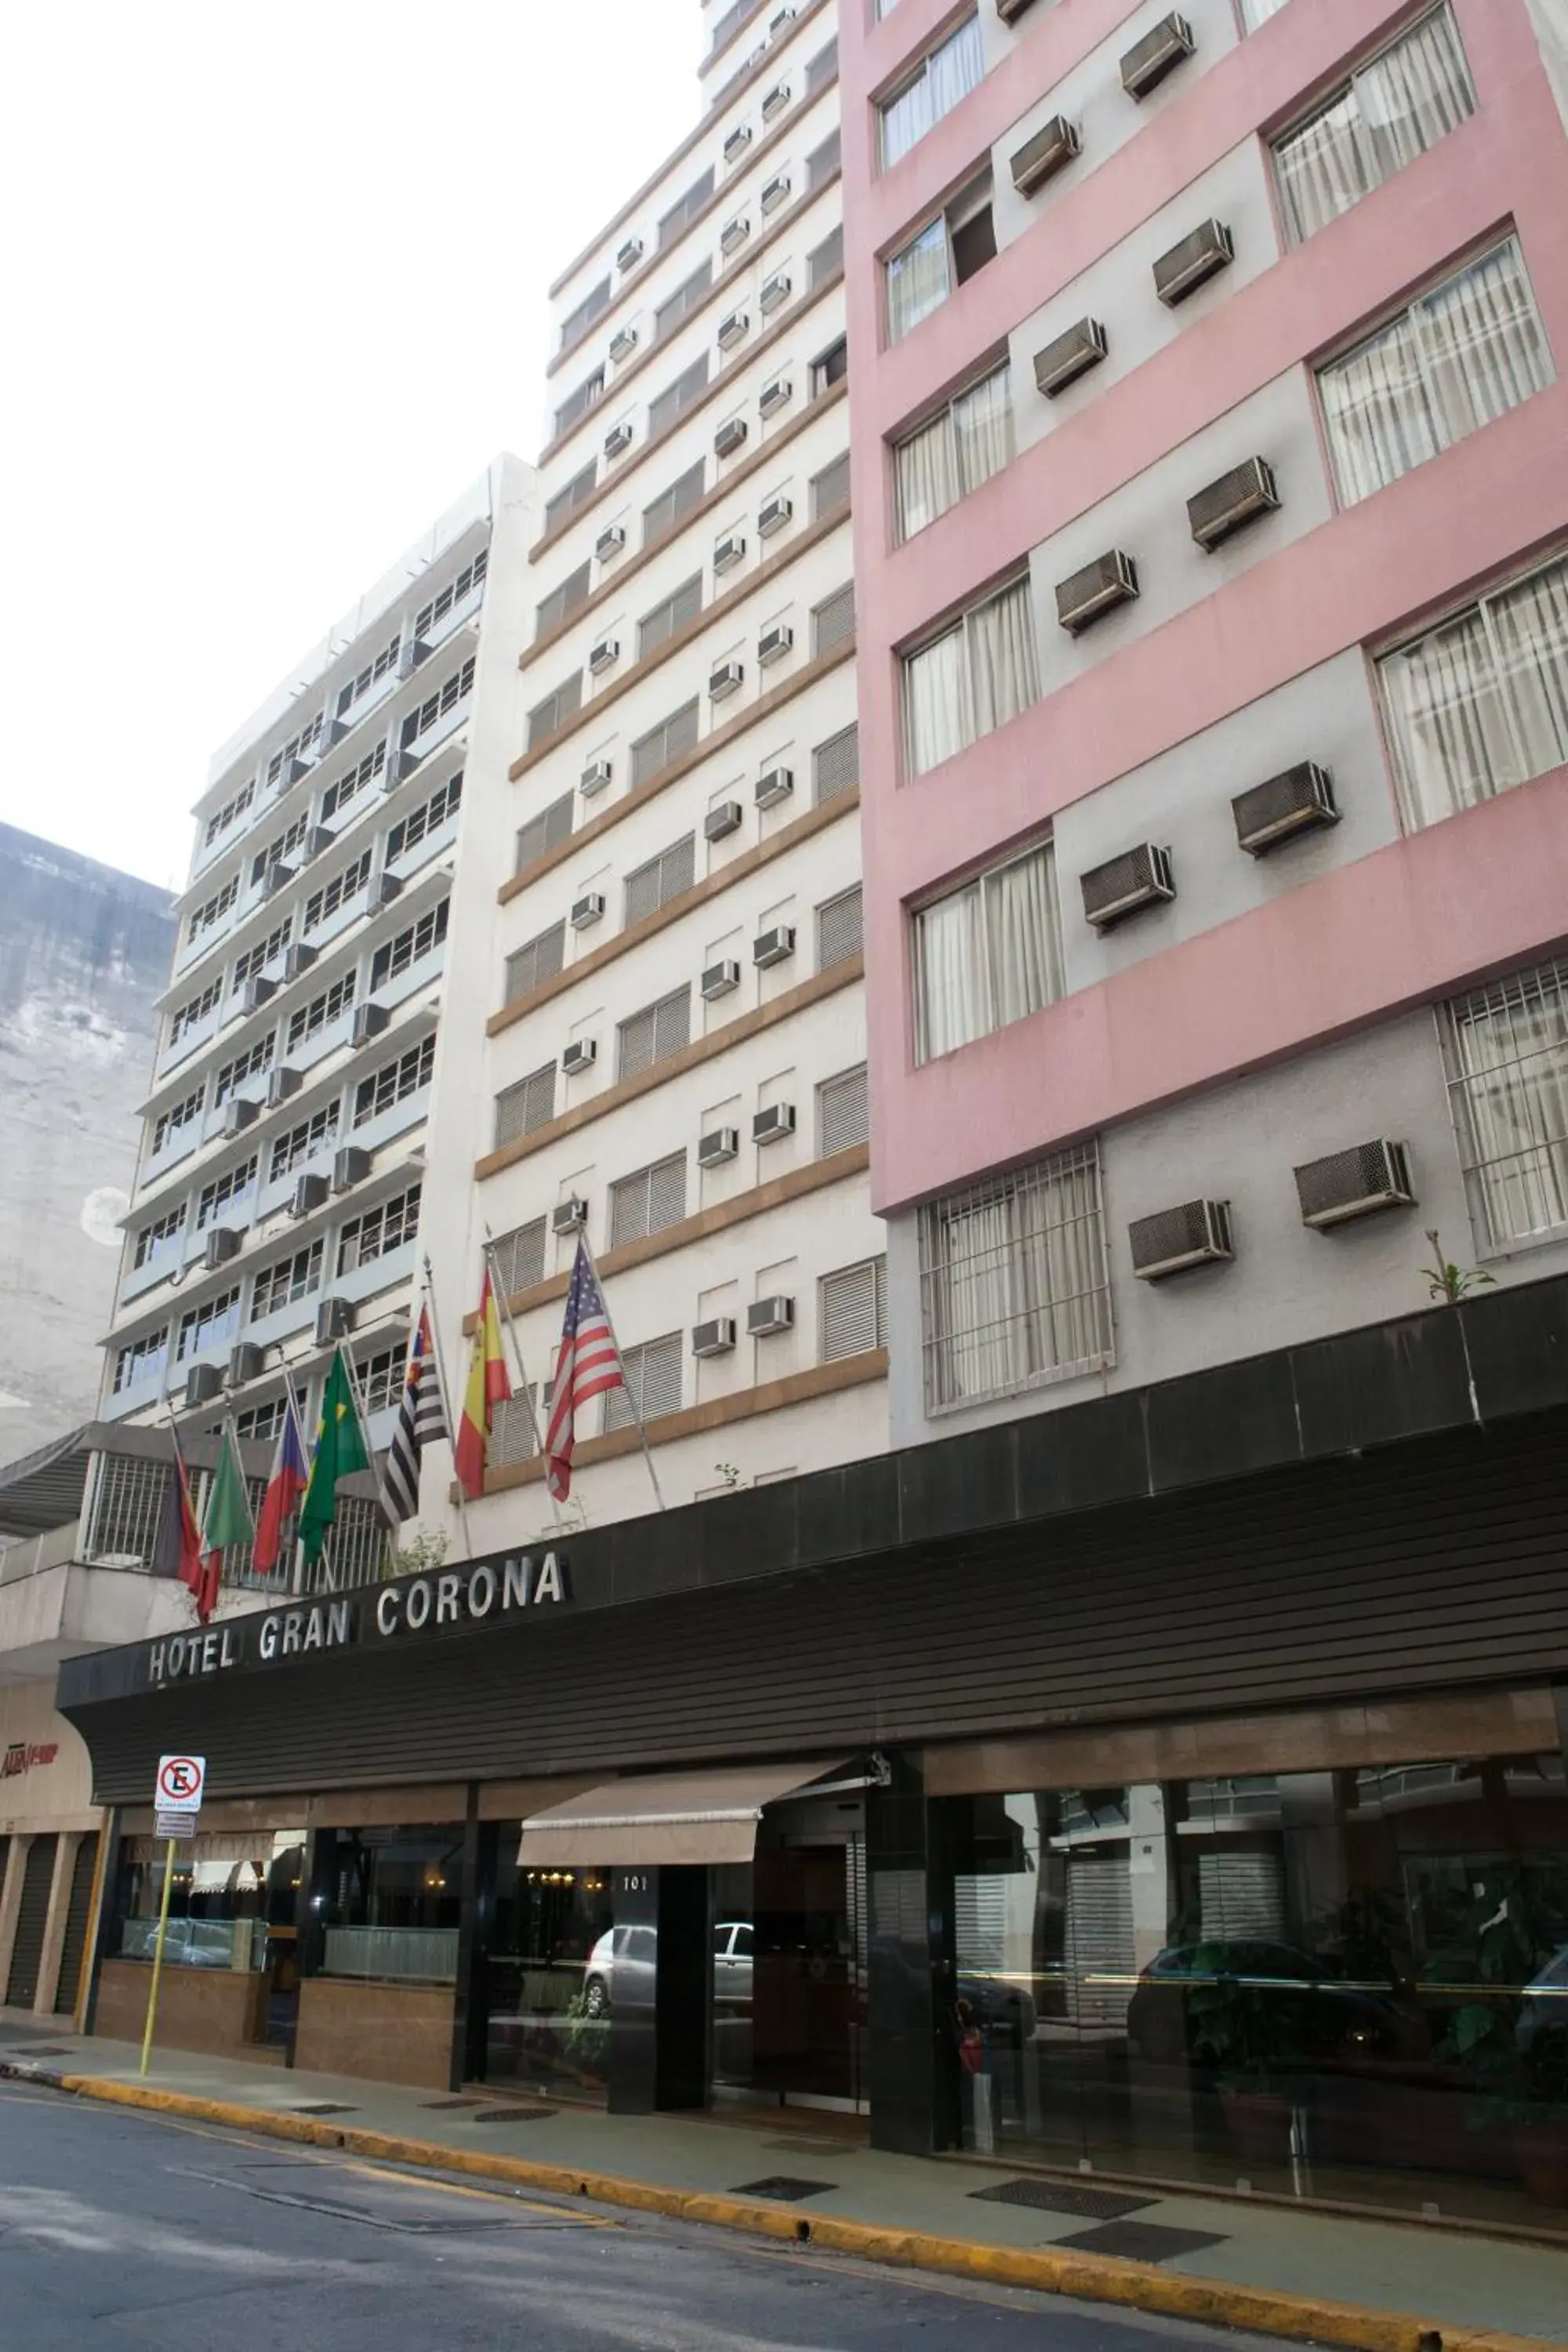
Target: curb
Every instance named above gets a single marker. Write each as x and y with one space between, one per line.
1088 2278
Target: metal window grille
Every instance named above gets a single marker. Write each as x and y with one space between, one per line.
336 893
1506 1048
1015 1289
661 514
843 1112
682 302
288 1279
650 1201
663 877
852 1310
836 764
577 493
654 1033
330 1006
824 260
840 929
387 1227
124 1507
588 396
518 1255
394 1081
544 831
671 739
553 609
442 804
676 398
455 592
225 1190
593 306
830 489
673 222
833 620
419 940
525 1106
358 1544
674 613
652 1384
304 1141
822 162
529 967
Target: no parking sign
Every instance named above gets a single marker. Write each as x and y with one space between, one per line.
177 1798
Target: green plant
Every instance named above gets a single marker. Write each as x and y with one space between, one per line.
587 2038
1517 2077
728 1474
420 1556
1254 2034
1450 1283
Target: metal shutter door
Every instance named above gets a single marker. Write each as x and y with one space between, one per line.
830 487
842 1113
1101 1953
851 1311
834 621
1240 1895
77 1909
838 929
836 764
980 1922
27 1952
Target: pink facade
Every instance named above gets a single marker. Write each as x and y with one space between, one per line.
1415 920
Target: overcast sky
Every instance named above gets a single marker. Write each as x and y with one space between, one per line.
275 294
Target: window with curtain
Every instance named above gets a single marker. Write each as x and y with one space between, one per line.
1258 11
1396 108
1014 1287
1464 354
976 676
970 440
1480 702
947 74
947 253
1507 1050
987 954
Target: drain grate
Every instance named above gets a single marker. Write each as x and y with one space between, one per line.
797 2147
323 2107
1141 2241
514 2114
42 2050
785 2186
447 2106
1060 2197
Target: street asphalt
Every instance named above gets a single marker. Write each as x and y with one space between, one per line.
120 2230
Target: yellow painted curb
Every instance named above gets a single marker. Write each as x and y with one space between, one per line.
1088 2278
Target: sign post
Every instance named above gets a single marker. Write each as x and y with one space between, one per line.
177 1804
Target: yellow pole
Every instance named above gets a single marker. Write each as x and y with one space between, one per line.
158 1953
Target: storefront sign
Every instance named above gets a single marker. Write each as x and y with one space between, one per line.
26 1756
412 1607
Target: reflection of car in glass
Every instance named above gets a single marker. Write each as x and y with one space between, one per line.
1333 2016
732 1942
188 1943
1002 2006
625 1953
1546 2001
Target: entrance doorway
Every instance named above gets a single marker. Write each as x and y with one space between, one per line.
789 1942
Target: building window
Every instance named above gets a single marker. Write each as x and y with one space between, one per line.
523 1109
289 1279
296 748
671 739
947 253
662 514
209 1325
836 764
395 1082
330 1005
380 1230
221 819
935 89
258 958
410 946
195 1010
518 1257
822 163
143 1359
258 1421
1384 117
576 405
832 621
976 676
652 1384
987 954
412 829
1258 11
447 697
1013 1288
970 440
226 1191
649 1203
178 1117
675 221
663 877
552 610
1507 1050
455 592
1463 354
360 686
852 1310
676 398
676 612
349 787
544 831
824 261
843 1113
593 307
830 489
278 851
303 1142
213 910
821 68
154 1239
547 717
654 1033
577 493
679 305
831 368
530 967
380 1381
243 1066
1480 702
345 884
840 929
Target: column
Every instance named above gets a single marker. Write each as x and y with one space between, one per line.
911 2064
66 1846
11 1903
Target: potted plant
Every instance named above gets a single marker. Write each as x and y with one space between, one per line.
1514 2058
1252 2031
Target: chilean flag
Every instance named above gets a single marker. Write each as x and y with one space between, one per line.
288 1481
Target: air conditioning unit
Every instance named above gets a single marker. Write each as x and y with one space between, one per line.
778 20
1300 800
604 655
775 100
773 644
738 141
204 1382
722 820
569 1216
724 681
774 293
610 544
770 1126
1237 499
256 992
238 1113
768 1316
296 962
775 396
1050 151
277 877
334 1321
734 329
1124 886
317 842
581 1054
309 1194
381 893
1068 356
411 656
1173 1240
774 517
245 1363
1111 580
593 778
350 1166
731 237
773 784
618 439
774 946
1187 266
629 255
333 732
223 1243
1160 52
408 764
728 551
1010 10
292 771
1359 1182
368 1023
718 979
623 343
281 1083
715 1338
587 909
730 436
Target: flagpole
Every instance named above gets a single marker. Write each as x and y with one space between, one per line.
296 1407
498 1288
636 1412
427 1292
363 1419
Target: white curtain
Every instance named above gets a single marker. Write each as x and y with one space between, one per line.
1402 104
951 1001
1376 410
1023 939
1002 652
1530 626
1068 1269
983 430
1449 722
938 714
927 467
1511 1046
949 74
918 280
1258 11
975 1304
1481 342
1321 170
1017 1283
987 954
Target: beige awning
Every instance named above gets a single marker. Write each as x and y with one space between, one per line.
668 1817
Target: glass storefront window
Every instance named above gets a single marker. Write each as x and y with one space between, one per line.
555 1969
1350 1985
232 1903
390 1901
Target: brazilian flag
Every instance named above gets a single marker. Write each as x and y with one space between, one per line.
340 1449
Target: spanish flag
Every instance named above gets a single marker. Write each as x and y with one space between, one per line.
488 1386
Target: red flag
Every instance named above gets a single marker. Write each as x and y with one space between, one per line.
178 1548
286 1483
488 1386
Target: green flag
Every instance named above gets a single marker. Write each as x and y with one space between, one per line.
228 1519
340 1448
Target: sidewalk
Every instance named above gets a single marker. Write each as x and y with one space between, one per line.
1225 2260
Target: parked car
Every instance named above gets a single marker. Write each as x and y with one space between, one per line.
1330 2016
623 1951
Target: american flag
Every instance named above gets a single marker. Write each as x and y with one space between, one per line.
421 1419
587 1365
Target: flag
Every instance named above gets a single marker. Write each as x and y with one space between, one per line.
177 1547
488 1386
587 1365
340 1448
227 1521
421 1419
288 1478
